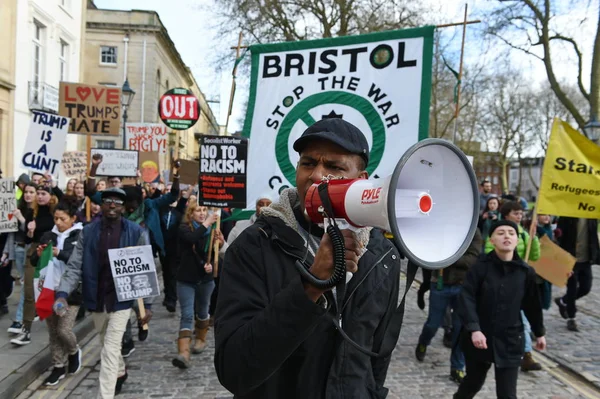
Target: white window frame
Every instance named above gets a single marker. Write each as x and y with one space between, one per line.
105 144
38 44
64 60
115 55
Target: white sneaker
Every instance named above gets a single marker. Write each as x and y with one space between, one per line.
23 339
15 328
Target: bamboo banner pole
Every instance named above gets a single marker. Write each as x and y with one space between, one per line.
232 92
460 73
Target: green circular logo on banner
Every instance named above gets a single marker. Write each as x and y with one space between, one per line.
301 113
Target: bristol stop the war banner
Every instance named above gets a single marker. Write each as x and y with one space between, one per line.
379 82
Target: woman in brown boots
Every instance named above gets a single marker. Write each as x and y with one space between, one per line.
195 282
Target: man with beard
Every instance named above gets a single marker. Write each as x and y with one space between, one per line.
280 341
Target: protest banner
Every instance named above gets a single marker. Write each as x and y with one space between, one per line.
74 164
555 263
92 109
188 172
145 137
149 167
295 84
134 272
8 204
223 167
179 109
45 144
570 184
121 163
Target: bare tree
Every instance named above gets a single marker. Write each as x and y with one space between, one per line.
533 20
504 123
264 21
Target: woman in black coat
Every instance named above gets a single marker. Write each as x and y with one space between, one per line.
497 287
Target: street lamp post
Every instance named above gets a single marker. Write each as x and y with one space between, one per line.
127 95
592 130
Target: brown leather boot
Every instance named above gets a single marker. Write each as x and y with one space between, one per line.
529 364
182 360
201 331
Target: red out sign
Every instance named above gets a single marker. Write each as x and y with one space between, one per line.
179 109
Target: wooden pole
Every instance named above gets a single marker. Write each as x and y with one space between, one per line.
460 73
217 244
142 310
232 93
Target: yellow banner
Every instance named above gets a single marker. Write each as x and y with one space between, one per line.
570 183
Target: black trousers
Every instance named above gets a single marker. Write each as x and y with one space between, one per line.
6 283
506 380
578 286
169 272
213 298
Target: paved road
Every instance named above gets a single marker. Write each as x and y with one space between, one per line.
153 376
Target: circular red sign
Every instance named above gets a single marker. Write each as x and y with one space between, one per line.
179 109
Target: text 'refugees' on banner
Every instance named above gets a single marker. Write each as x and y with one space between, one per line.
570 183
222 175
92 109
379 82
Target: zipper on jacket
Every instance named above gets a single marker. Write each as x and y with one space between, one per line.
364 278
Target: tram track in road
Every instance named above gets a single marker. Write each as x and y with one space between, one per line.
567 376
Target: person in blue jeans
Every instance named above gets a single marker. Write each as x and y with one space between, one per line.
446 286
195 281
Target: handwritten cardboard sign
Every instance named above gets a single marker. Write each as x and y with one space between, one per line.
74 164
222 177
117 162
8 204
45 143
147 137
149 167
92 109
555 263
188 172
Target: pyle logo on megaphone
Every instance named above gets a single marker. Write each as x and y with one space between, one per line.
370 196
430 203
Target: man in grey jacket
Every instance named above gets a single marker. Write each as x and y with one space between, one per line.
89 264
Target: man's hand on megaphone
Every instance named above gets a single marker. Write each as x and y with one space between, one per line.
323 266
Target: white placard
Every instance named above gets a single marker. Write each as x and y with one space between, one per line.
117 162
45 143
134 272
8 204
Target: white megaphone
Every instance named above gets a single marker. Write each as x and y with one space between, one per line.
430 203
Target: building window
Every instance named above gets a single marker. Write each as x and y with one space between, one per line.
108 55
105 144
64 60
489 169
496 169
38 47
495 181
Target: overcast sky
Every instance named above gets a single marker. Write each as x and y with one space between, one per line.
191 27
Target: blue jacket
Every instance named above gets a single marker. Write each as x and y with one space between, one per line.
83 263
152 209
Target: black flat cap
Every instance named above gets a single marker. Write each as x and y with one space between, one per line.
339 132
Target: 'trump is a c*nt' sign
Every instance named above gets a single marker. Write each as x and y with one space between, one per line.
45 143
179 109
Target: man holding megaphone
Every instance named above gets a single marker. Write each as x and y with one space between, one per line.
275 332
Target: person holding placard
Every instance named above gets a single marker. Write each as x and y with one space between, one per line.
195 281
89 264
39 222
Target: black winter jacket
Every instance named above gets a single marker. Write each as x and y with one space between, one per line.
272 341
491 300
568 238
75 298
191 254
